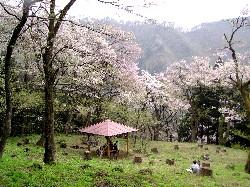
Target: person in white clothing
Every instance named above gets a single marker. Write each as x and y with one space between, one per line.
195 167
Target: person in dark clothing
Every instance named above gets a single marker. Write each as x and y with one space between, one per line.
115 146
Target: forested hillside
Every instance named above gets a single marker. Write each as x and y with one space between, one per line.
163 45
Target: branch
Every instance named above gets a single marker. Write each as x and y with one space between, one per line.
63 14
128 9
8 12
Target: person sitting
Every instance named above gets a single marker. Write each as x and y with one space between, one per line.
115 146
114 150
195 167
100 151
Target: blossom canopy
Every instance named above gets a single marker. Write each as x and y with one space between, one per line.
107 128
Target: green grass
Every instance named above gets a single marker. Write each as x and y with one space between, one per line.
20 168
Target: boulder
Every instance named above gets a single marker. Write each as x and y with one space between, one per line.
205 165
87 155
137 160
146 171
205 171
200 145
170 162
63 145
75 146
176 147
205 157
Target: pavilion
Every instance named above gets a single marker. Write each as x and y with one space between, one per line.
108 128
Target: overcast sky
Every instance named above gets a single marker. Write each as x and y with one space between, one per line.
185 13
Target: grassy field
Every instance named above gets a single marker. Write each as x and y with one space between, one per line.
23 166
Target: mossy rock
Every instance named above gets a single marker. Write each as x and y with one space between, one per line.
146 171
170 162
206 171
137 160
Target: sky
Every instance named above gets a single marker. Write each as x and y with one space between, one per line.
184 13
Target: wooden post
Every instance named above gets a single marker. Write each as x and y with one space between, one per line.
108 146
88 143
127 143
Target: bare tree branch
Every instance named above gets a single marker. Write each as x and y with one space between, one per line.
8 12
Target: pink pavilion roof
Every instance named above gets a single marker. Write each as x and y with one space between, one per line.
107 128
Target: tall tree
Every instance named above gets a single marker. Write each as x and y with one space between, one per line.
50 73
5 130
240 82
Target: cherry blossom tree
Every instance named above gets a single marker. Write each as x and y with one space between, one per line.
181 78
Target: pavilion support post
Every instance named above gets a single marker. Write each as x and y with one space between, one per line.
108 141
88 142
127 143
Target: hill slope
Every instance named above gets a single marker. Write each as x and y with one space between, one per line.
22 166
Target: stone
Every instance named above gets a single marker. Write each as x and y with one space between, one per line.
206 171
206 148
154 150
137 160
176 147
205 157
75 146
170 162
224 150
200 145
217 151
63 145
87 155
205 165
146 171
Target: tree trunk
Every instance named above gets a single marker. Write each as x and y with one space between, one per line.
156 133
49 155
194 132
5 130
221 130
50 76
194 125
247 167
151 133
246 98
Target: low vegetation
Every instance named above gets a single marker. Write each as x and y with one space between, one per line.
22 165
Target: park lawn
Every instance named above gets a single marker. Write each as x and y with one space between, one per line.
23 166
